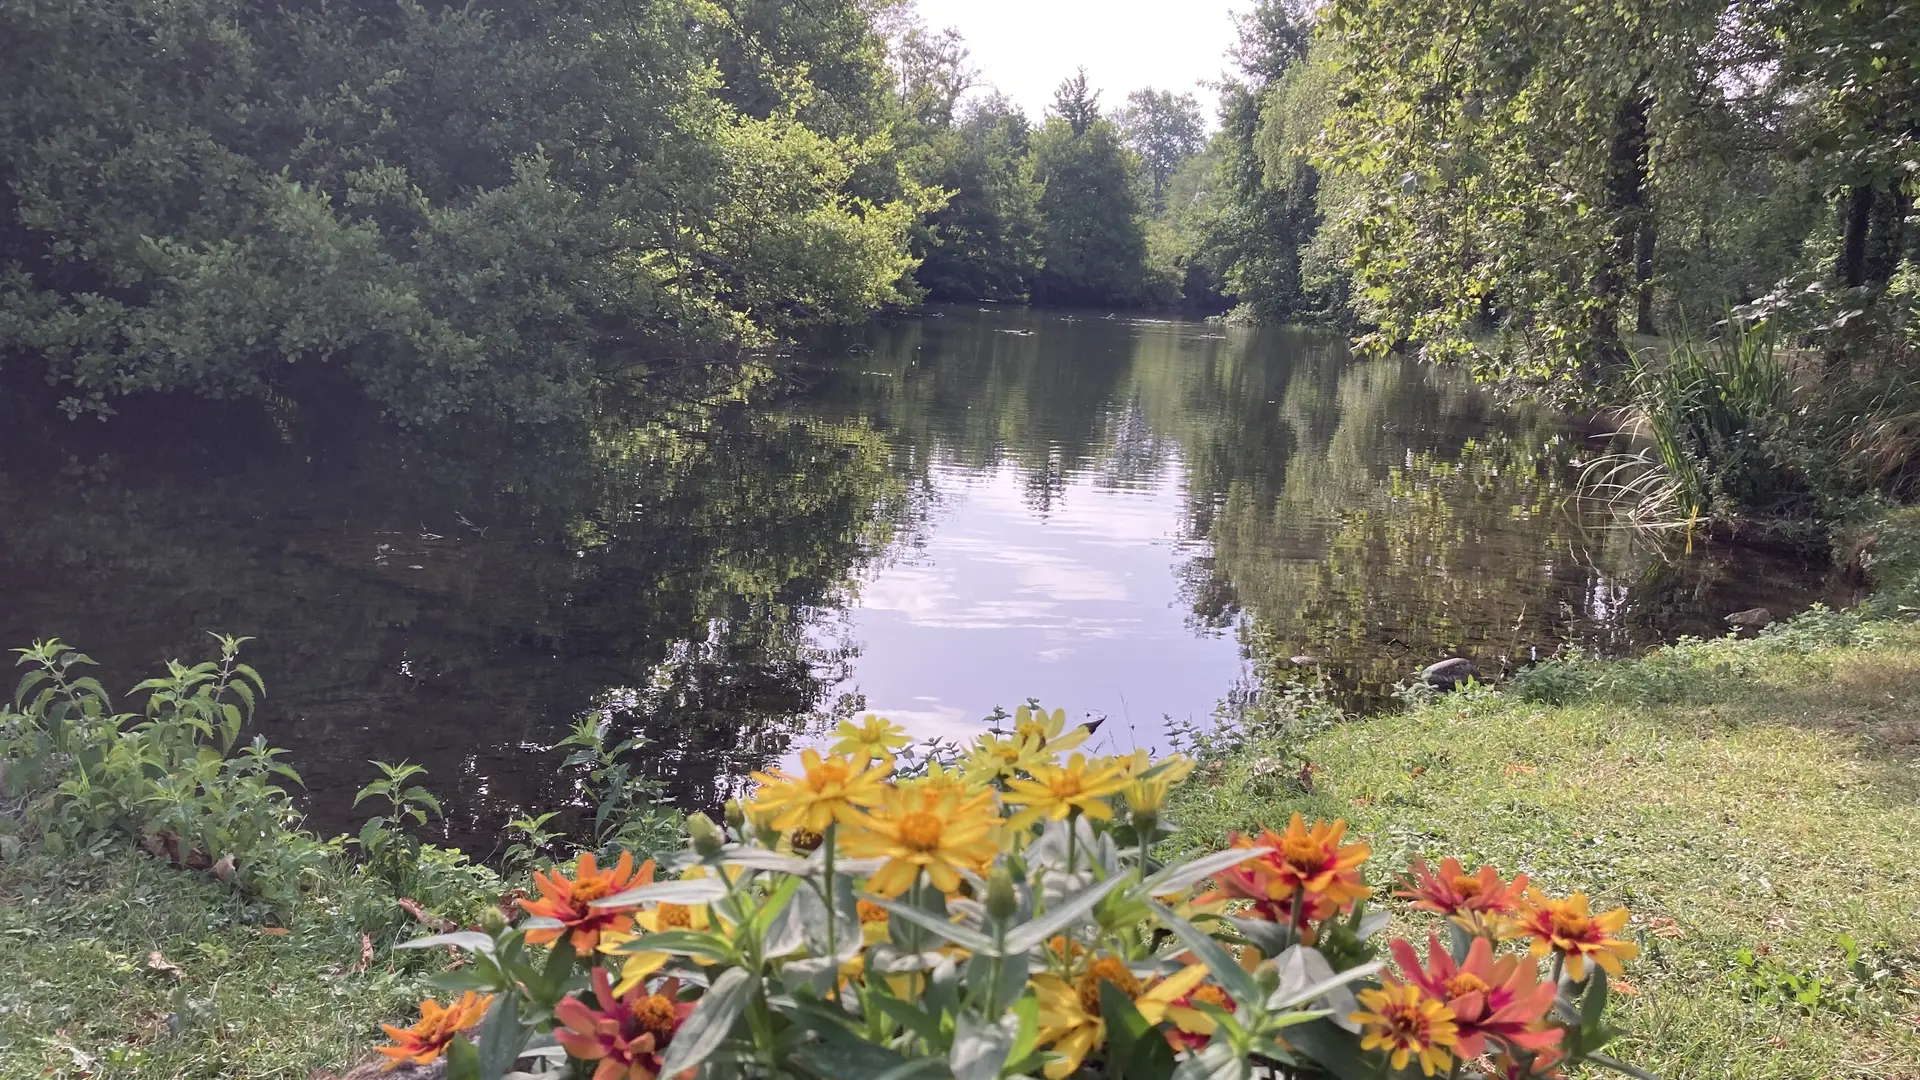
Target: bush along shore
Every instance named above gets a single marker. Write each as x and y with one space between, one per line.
1697 863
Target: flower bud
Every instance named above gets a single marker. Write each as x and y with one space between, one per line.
736 816
706 836
493 920
1001 901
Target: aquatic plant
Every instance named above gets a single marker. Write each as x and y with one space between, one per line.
1011 916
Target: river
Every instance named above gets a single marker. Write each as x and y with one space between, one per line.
1129 518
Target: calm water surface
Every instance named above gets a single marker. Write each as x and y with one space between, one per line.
1127 518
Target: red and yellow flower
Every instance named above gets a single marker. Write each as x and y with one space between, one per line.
570 901
1481 903
1567 927
1192 1024
627 1034
430 1036
1311 861
1407 1023
1501 999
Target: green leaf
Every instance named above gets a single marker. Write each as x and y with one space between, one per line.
1137 1047
1214 1061
502 1036
908 1016
1606 1062
470 940
959 935
754 858
1593 1005
980 1049
684 891
1334 1049
1226 971
1060 916
1173 879
707 1026
463 1061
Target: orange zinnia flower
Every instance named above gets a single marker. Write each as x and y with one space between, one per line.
1480 903
626 1035
1568 928
1313 861
1406 1022
438 1024
1503 998
571 902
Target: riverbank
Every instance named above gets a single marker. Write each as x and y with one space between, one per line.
1753 802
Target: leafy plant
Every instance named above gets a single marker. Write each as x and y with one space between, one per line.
1003 918
387 845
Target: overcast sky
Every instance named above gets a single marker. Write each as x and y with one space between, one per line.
1025 47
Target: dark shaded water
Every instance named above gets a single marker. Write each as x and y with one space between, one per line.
960 511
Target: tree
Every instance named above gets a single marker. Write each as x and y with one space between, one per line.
486 208
1263 211
985 243
1095 249
1164 130
1077 103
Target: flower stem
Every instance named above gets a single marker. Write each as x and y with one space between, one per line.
833 917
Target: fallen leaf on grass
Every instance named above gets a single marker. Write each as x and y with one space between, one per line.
276 931
157 962
412 907
224 868
366 955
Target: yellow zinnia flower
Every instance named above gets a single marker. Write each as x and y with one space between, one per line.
1049 730
1070 1020
1003 757
1057 791
1568 928
1402 1020
941 830
873 736
827 790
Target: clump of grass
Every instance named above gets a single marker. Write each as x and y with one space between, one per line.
1712 413
1752 801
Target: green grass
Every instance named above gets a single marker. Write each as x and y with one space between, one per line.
79 996
1735 795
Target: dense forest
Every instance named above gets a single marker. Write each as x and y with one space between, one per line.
490 207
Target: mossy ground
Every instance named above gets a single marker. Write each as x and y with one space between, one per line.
1773 807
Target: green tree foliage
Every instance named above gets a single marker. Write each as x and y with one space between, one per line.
1163 129
483 207
1096 245
985 243
1535 181
1242 231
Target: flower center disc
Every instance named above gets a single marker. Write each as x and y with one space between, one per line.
921 830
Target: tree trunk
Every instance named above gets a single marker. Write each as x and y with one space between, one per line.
1643 272
1627 205
1852 268
1886 237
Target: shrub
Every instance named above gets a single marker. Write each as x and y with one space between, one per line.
1009 916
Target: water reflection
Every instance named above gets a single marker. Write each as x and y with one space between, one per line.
951 513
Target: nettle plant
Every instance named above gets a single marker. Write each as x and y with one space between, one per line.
175 773
1005 915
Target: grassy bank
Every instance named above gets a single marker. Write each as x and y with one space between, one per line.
1752 802
119 965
